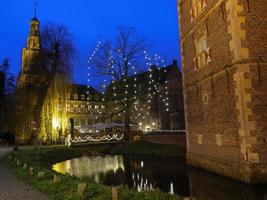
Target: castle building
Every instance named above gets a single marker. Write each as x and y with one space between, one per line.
31 81
88 107
156 98
224 55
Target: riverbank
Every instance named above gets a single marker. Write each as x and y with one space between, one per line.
67 187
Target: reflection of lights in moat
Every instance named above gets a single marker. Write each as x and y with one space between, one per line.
141 184
90 167
142 164
171 189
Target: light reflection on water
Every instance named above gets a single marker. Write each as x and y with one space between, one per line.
169 175
90 166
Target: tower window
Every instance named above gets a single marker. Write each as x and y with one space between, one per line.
202 53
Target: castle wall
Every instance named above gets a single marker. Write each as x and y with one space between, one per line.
225 100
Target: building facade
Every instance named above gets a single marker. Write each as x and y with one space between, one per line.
162 110
224 56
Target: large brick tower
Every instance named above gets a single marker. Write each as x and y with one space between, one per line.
31 82
224 55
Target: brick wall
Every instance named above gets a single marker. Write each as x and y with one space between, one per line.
225 100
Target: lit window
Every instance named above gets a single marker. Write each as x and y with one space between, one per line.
68 95
82 97
102 107
75 96
96 106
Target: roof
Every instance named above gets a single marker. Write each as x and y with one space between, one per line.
83 89
35 19
143 79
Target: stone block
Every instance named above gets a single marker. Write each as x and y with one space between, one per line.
56 179
81 188
199 139
117 193
18 163
25 166
31 171
40 174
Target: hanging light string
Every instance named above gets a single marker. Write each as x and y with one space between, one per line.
89 95
153 87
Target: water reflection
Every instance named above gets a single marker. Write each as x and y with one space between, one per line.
93 167
169 175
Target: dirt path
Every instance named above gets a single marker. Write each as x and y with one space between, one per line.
13 189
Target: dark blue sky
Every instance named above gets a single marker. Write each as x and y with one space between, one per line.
156 20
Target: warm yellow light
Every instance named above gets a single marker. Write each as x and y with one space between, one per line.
55 123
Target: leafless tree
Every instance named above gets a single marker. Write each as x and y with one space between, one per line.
59 50
7 88
119 59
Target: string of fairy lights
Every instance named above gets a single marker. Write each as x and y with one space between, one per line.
140 109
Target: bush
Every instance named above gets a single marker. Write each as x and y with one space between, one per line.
8 137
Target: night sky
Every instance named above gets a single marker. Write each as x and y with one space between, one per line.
89 20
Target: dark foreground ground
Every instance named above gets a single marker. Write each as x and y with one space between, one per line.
13 189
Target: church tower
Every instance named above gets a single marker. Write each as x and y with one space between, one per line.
32 55
31 83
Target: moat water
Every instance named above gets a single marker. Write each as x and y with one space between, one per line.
167 174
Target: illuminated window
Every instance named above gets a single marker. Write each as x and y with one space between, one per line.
82 97
102 107
75 96
68 95
96 106
202 53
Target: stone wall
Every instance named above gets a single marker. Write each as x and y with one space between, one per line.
179 140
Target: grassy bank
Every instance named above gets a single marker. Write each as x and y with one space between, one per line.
67 188
147 148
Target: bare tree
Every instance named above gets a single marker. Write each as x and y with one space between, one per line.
7 88
59 50
119 59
